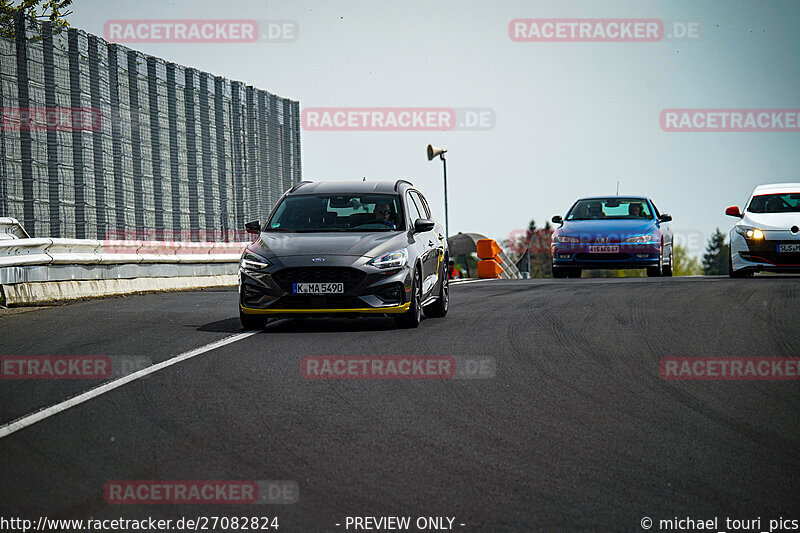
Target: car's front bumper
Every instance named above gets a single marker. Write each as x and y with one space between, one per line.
367 290
630 255
762 255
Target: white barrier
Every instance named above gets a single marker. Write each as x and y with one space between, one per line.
19 252
37 270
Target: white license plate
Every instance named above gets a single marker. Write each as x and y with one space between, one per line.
604 249
317 288
789 248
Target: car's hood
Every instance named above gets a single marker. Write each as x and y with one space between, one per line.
361 244
589 229
771 221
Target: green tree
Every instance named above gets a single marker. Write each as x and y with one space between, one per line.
33 11
684 265
715 260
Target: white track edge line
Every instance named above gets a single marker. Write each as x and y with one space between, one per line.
47 412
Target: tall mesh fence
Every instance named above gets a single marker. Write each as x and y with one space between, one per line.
172 152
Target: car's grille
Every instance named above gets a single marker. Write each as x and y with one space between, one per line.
308 301
351 277
772 257
602 257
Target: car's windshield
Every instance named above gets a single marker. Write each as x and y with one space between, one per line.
616 208
339 212
775 203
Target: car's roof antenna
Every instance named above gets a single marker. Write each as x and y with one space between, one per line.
365 178
617 187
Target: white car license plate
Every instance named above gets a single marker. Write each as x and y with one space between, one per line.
789 248
317 288
603 249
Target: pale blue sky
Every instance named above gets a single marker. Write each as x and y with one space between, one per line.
572 118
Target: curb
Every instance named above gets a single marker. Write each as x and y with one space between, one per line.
49 292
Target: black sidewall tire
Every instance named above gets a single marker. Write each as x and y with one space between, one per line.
666 271
412 317
739 274
439 308
252 321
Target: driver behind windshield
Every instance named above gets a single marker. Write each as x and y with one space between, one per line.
383 215
635 210
774 205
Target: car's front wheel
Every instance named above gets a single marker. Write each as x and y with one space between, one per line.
412 317
666 270
574 272
566 272
439 308
741 273
252 321
657 271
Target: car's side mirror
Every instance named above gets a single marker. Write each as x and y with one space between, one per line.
423 224
557 220
733 211
665 218
253 226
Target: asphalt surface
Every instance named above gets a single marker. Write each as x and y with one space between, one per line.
576 431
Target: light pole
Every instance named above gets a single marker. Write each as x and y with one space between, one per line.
433 152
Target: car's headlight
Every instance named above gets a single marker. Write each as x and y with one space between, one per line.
394 259
253 261
642 238
566 239
750 233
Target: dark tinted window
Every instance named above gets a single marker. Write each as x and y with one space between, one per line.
775 203
345 212
617 208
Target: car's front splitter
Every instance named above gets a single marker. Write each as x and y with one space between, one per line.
395 309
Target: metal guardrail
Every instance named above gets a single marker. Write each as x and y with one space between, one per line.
10 228
510 270
38 260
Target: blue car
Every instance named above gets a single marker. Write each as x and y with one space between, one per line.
611 233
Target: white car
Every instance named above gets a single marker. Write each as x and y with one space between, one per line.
767 238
